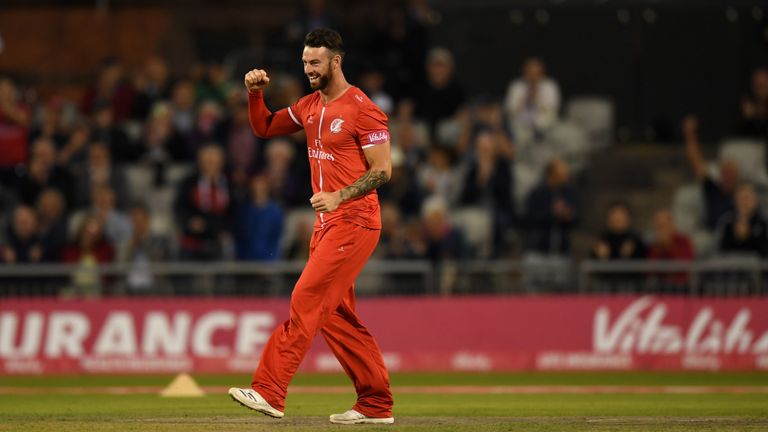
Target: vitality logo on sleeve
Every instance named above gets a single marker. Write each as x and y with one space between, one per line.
378 137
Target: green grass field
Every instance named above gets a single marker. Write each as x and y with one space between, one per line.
42 404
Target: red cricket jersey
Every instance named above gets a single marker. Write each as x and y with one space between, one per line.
336 133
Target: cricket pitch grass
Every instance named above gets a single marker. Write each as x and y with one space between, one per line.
423 402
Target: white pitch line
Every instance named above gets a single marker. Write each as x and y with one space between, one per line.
122 390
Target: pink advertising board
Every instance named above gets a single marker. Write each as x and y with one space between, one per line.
130 335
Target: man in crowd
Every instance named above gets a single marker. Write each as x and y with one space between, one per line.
551 211
718 194
532 102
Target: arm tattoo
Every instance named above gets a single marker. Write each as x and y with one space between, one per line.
368 182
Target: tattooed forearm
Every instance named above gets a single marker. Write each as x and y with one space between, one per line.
368 182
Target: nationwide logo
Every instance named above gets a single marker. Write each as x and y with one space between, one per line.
641 329
378 137
319 154
336 125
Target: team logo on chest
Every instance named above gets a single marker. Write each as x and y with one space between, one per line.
336 125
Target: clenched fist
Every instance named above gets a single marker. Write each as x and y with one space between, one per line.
256 79
325 202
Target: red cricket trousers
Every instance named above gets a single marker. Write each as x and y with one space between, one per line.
324 299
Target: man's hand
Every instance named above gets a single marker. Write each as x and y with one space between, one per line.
690 127
325 202
9 255
627 248
748 109
602 250
256 79
196 224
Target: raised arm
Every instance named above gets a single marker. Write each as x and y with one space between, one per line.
266 124
693 148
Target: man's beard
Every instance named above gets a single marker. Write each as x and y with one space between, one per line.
322 81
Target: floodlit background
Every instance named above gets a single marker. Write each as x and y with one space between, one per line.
593 150
575 232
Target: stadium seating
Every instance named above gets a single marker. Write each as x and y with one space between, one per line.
477 225
749 155
595 115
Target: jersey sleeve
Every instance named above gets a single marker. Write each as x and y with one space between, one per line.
296 110
267 124
371 126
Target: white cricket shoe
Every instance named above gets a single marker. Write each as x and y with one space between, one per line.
354 417
249 398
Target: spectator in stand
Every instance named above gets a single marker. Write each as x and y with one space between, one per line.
162 144
410 140
487 117
111 88
394 242
402 189
89 249
243 149
43 172
551 211
52 223
440 239
298 249
619 240
411 136
669 244
718 195
437 176
260 224
743 230
143 247
287 185
117 224
183 110
105 131
442 97
215 84
488 183
23 244
754 107
14 124
52 124
204 209
75 150
153 84
532 102
208 126
372 83
99 172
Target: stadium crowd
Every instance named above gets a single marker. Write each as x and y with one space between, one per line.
148 166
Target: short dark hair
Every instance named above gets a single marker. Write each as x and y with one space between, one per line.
325 37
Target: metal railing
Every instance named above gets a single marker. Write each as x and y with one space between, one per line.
720 276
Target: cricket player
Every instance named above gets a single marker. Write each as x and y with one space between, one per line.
348 146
